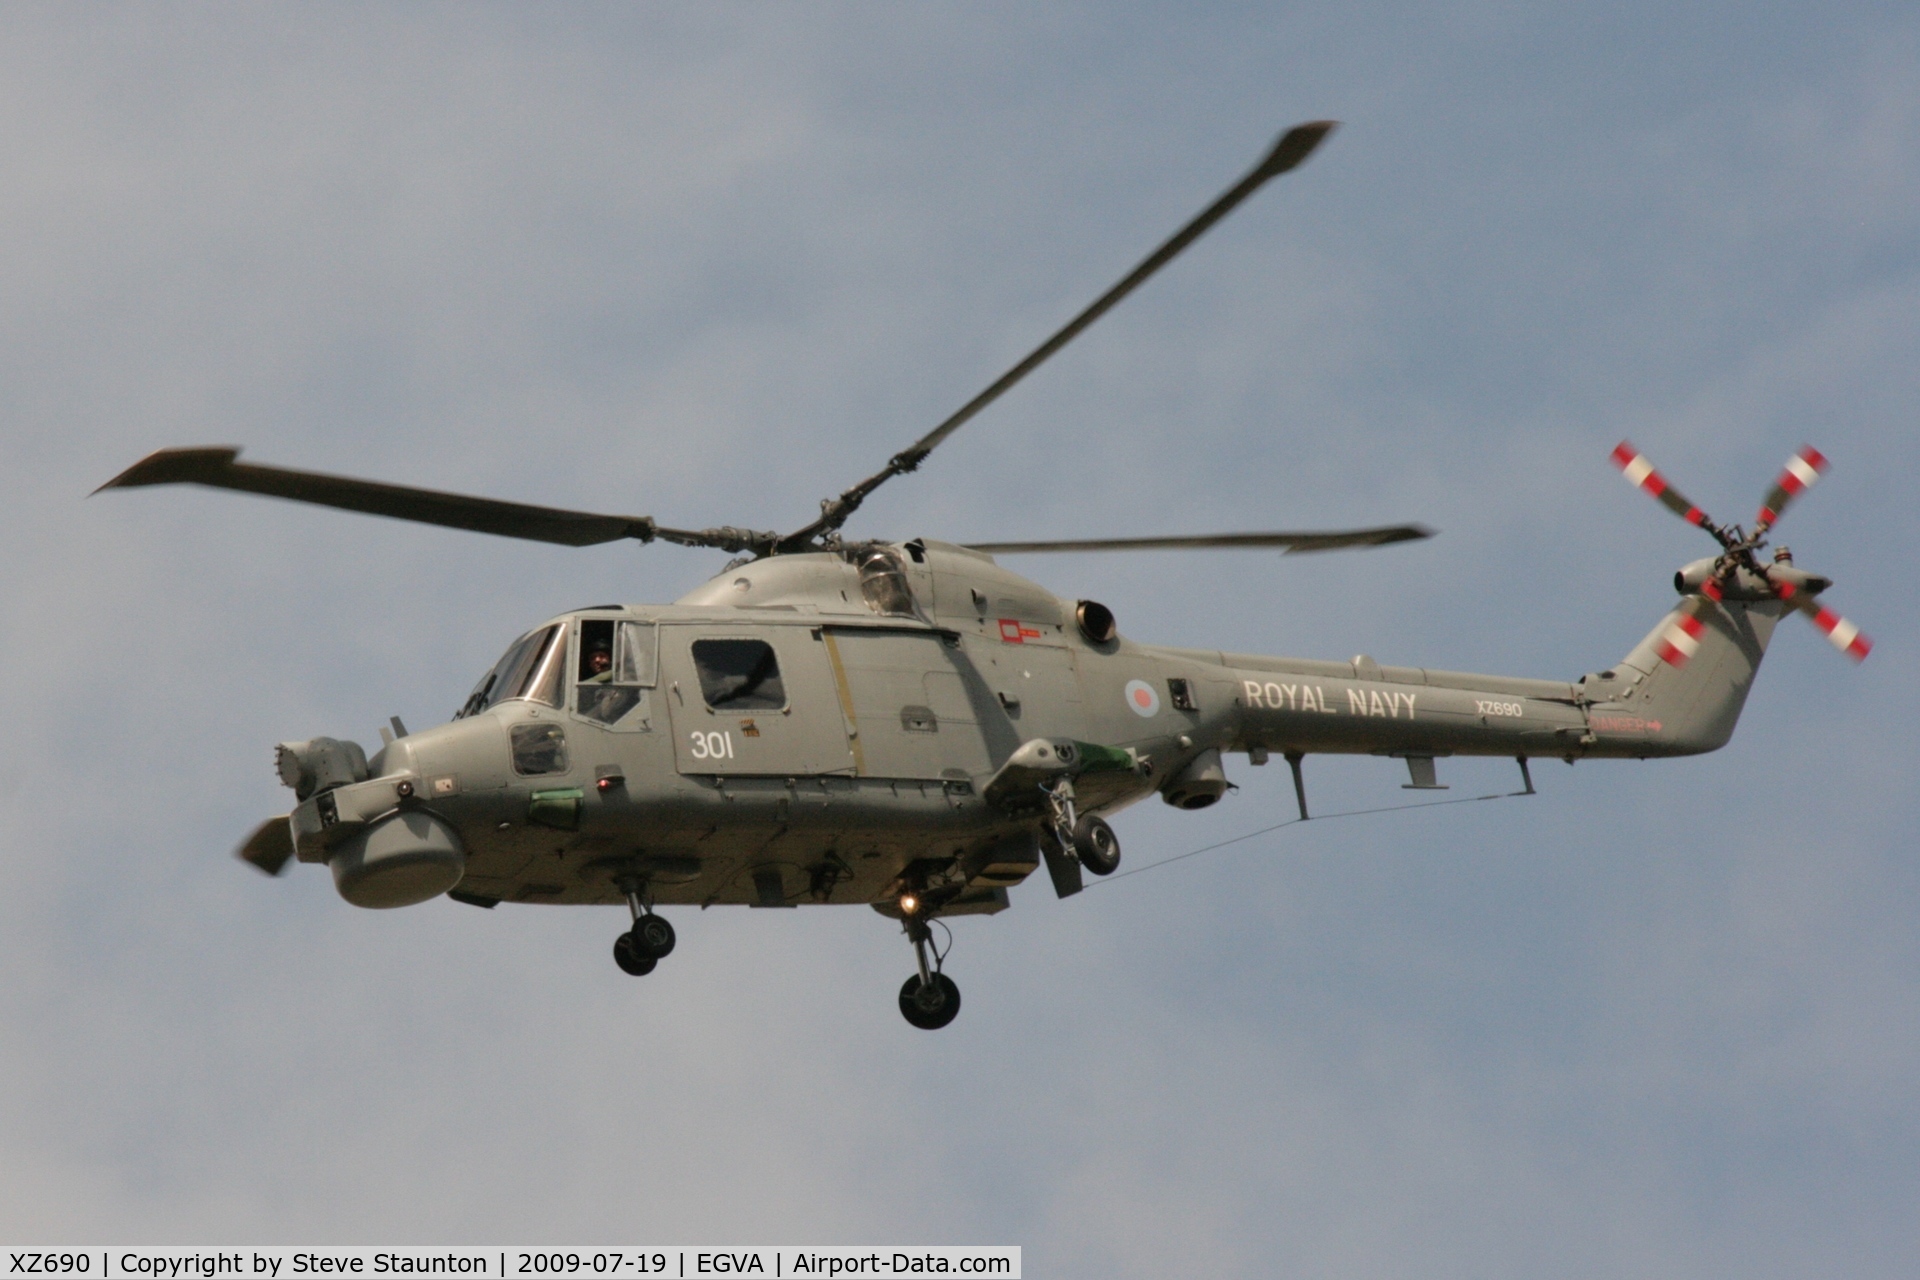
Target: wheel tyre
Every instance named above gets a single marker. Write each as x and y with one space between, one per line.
653 936
932 1005
629 960
1097 846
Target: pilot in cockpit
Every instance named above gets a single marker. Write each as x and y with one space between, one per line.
596 665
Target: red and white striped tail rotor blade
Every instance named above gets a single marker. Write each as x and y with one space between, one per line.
1843 635
1640 473
1799 475
1680 640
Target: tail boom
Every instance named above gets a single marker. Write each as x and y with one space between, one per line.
1664 699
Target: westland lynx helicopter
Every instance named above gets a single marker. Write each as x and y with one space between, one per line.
911 725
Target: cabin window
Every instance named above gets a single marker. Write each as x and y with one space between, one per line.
616 663
739 675
883 581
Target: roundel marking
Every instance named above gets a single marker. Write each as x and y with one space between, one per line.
1142 700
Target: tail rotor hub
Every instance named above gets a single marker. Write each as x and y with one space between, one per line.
1738 573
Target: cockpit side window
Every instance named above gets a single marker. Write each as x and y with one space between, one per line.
596 651
739 675
616 663
637 657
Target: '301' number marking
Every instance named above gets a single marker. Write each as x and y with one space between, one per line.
717 745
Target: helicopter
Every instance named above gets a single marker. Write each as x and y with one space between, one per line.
911 725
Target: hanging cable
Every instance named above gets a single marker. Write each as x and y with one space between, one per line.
1294 822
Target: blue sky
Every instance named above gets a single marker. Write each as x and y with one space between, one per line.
715 264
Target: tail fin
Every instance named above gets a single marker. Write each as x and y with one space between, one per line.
1692 672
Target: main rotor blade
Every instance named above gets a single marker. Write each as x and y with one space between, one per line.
1640 473
217 468
1292 543
1293 147
1802 470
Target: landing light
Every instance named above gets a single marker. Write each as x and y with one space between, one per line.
908 904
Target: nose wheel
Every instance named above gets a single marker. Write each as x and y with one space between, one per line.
930 1005
650 940
929 999
629 960
652 936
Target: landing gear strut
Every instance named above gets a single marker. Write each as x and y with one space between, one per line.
642 947
930 999
1085 835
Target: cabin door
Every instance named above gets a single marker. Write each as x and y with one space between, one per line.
752 700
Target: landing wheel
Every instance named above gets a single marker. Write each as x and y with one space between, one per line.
1098 847
629 960
652 937
930 1005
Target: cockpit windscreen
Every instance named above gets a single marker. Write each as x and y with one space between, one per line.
531 658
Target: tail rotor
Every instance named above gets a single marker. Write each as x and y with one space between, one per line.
1799 475
1641 475
1737 572
1790 584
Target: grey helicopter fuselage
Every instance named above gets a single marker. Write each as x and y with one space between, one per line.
912 726
855 726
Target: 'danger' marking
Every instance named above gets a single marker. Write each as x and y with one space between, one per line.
1624 724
